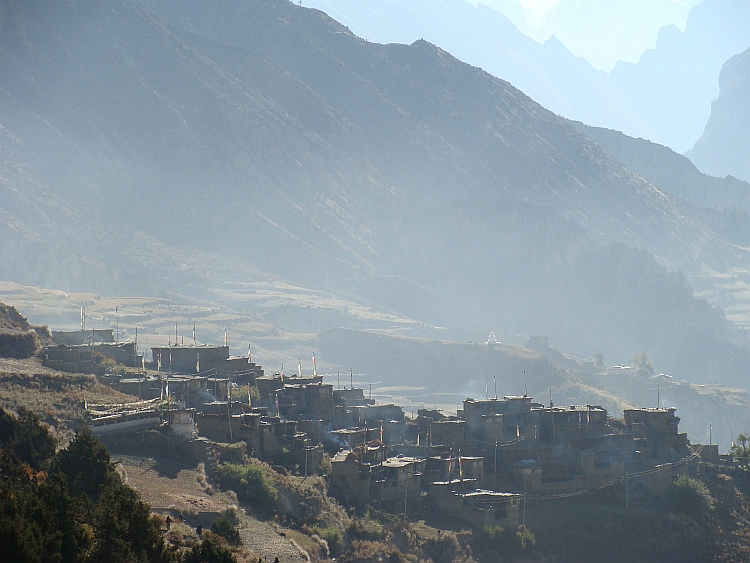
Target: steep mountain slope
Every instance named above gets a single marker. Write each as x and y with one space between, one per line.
665 96
242 140
725 144
492 140
548 73
669 171
673 84
727 211
126 118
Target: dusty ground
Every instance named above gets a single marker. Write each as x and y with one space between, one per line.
263 539
57 397
166 483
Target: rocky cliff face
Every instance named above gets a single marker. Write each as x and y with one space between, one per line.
725 144
673 84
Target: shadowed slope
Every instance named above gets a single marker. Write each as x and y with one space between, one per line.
261 140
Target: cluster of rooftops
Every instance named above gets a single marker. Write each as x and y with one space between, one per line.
488 454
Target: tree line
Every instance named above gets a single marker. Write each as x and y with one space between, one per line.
72 506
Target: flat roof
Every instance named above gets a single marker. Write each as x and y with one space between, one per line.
504 399
652 409
341 456
346 431
400 461
459 421
485 493
190 347
575 408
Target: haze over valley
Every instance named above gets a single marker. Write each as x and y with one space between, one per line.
425 281
263 160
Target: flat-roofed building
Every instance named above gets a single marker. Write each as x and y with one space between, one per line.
310 400
190 359
80 337
656 433
351 397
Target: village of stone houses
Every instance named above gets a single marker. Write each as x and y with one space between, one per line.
307 467
499 457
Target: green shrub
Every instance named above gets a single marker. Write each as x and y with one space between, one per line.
209 550
86 465
526 538
332 536
26 437
111 366
508 542
741 449
224 528
251 483
691 497
443 549
326 467
367 528
241 394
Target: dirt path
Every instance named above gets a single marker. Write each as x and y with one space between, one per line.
265 541
171 484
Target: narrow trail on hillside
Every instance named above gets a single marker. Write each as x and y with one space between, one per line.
266 542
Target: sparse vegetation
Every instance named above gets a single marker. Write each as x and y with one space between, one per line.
444 548
367 528
242 393
210 550
224 528
332 536
251 482
692 498
509 543
734 224
111 366
18 344
58 396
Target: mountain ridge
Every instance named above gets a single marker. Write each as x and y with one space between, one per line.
262 140
723 146
670 171
548 72
674 83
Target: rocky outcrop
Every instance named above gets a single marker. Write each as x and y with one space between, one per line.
17 338
725 143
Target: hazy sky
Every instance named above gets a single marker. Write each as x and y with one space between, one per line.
601 31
